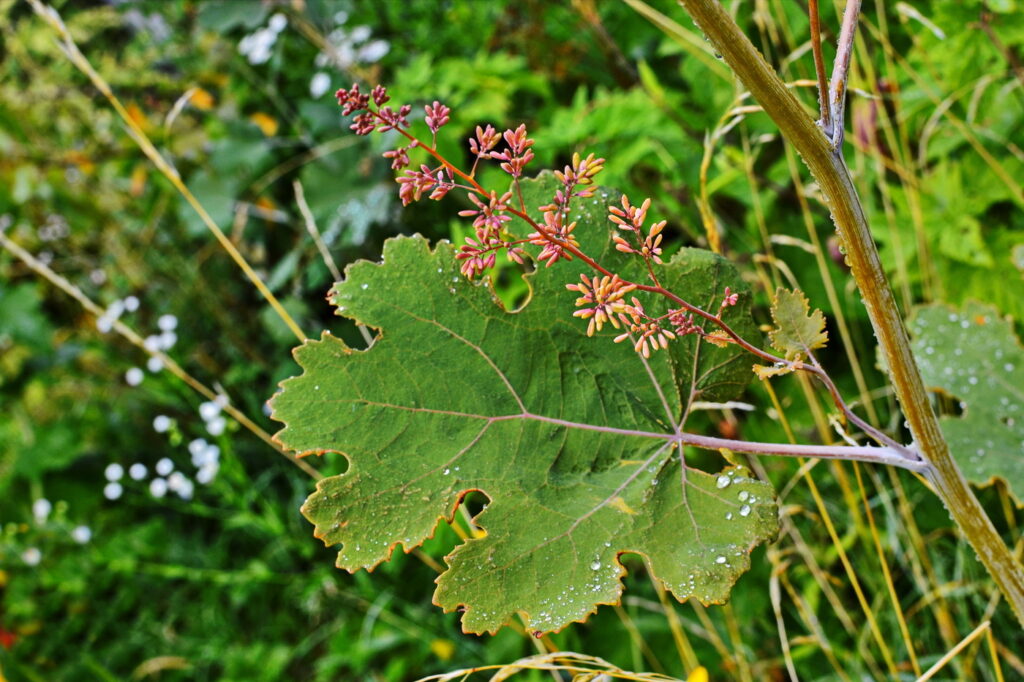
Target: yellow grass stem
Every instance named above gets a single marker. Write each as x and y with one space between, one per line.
135 339
908 641
76 57
951 654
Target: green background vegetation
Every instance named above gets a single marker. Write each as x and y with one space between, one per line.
231 584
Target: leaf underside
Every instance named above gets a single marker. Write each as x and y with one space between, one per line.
565 435
974 356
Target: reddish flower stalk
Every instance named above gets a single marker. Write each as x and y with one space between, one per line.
603 294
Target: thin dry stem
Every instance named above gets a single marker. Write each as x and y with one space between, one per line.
132 336
70 48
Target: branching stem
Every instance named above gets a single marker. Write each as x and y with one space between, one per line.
907 454
824 159
841 73
819 67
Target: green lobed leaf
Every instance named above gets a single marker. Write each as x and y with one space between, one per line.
974 356
797 329
565 435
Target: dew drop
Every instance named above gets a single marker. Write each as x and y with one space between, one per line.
743 495
745 510
364 286
720 559
595 565
447 471
728 516
723 481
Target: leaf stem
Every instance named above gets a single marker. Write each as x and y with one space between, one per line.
826 164
891 456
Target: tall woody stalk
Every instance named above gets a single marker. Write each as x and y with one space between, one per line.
825 161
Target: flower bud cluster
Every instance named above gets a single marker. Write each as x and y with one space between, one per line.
556 214
650 334
517 154
488 220
604 297
631 219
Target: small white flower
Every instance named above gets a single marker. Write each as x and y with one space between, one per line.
154 365
151 343
161 423
359 34
167 340
186 490
134 376
112 491
164 466
115 309
207 473
131 304
373 51
97 277
221 400
114 472
209 454
215 426
320 84
256 46
196 446
176 480
137 471
167 323
81 534
158 487
32 556
104 324
41 509
209 410
277 23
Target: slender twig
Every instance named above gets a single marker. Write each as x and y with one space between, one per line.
132 336
841 73
827 166
67 43
307 217
314 232
819 68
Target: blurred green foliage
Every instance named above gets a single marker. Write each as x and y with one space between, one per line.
230 584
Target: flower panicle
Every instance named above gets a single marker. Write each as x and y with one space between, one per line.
604 298
729 299
646 333
630 219
555 238
489 219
